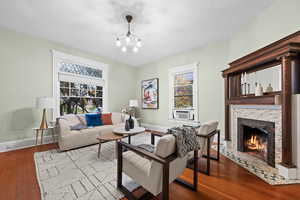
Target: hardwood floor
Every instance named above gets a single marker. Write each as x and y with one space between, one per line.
227 181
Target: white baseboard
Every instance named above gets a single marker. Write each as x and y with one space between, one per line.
288 173
155 127
20 144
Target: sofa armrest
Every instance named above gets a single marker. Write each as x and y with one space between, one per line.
63 127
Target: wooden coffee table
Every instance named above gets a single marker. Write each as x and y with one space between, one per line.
107 138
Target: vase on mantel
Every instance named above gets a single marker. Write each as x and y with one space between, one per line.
259 90
269 88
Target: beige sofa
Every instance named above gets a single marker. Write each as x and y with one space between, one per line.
70 139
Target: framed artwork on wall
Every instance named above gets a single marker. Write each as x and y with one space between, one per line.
150 94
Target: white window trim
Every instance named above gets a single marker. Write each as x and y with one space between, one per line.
182 69
60 56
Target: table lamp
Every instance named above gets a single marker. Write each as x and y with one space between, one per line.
133 104
44 103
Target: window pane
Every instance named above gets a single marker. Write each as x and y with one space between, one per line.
183 90
183 102
75 85
98 93
64 84
184 79
91 93
99 88
64 92
83 86
75 92
99 102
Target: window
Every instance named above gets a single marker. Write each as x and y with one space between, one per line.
79 85
79 98
183 93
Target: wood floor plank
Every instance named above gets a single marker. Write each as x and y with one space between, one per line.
228 181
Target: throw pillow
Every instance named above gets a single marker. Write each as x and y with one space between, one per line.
106 119
93 119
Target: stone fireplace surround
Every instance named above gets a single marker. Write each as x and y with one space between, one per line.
268 132
269 113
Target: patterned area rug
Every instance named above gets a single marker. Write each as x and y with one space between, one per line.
257 167
79 174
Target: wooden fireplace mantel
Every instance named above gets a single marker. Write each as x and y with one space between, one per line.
284 52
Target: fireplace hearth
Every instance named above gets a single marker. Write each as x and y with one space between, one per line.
257 138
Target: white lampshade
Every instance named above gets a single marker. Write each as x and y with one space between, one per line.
44 102
133 103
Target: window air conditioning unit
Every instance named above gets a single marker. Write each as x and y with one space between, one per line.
183 114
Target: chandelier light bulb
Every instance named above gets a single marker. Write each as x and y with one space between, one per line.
139 43
127 39
118 42
124 49
135 49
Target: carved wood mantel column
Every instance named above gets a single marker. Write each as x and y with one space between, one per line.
227 114
286 64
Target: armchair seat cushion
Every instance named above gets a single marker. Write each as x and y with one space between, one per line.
136 167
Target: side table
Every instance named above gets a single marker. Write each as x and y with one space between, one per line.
38 130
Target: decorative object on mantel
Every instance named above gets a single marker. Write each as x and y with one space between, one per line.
277 99
259 90
245 85
150 94
129 40
44 103
269 88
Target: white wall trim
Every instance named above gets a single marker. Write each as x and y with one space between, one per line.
59 56
21 144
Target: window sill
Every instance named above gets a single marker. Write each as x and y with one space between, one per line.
187 122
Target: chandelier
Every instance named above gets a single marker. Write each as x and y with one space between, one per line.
129 41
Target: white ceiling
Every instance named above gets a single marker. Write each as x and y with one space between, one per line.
166 27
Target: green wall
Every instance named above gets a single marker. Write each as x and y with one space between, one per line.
277 21
26 73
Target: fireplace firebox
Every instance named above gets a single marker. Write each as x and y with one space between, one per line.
257 138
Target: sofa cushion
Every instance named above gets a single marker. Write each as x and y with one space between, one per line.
93 119
106 119
72 119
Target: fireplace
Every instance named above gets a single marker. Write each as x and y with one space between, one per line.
257 138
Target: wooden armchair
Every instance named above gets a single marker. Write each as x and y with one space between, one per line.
206 134
153 171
